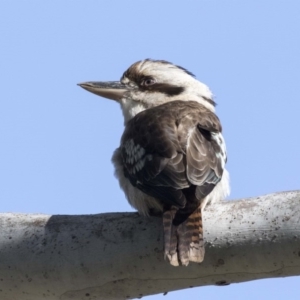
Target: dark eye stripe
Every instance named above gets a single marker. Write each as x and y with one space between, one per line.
167 89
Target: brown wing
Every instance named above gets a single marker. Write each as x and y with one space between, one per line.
206 157
153 157
168 148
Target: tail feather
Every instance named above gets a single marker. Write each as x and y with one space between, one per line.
183 242
197 250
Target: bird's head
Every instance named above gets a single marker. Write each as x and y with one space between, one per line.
150 83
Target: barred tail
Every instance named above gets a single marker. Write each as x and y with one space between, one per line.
183 239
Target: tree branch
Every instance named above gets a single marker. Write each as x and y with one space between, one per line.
120 255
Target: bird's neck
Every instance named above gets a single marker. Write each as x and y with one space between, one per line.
131 108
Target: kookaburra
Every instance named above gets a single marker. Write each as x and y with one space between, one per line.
172 156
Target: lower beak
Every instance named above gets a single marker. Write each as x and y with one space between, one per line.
114 90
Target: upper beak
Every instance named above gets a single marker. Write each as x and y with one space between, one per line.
114 90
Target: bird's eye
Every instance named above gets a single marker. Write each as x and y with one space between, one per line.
148 81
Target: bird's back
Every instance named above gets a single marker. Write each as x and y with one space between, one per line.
174 153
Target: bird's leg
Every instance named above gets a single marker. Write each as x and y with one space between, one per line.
170 237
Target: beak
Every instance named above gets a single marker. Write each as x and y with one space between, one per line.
114 90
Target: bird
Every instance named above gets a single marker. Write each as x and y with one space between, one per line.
172 155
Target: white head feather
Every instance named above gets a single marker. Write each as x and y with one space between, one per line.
139 98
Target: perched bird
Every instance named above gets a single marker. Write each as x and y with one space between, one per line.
172 156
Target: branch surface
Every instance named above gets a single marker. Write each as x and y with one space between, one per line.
120 255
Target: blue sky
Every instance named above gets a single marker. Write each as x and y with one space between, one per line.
57 139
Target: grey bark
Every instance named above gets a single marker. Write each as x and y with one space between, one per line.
120 255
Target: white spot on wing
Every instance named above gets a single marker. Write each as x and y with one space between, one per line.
135 156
